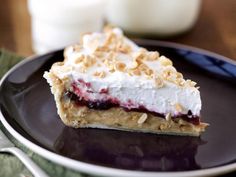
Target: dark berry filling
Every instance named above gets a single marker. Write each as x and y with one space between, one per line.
107 104
102 105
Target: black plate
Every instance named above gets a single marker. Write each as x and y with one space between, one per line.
28 106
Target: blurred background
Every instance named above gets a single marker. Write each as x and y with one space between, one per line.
34 26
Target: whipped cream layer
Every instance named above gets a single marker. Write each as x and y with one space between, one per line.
108 66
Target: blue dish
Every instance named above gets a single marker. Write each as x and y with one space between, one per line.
29 113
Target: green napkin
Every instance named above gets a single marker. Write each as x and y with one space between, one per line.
10 166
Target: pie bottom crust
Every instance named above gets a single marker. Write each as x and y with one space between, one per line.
77 116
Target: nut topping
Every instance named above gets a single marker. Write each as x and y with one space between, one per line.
111 51
143 118
101 74
120 66
153 56
178 107
159 82
165 61
168 117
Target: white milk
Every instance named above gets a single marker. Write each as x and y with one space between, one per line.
158 17
58 23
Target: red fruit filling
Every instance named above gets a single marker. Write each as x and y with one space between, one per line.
109 103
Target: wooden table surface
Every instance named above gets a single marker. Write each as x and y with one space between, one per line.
215 29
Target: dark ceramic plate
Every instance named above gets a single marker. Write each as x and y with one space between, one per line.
29 113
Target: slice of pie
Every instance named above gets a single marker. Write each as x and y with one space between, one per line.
107 81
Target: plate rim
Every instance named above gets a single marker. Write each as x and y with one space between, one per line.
108 171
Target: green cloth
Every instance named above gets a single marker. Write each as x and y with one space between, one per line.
10 166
